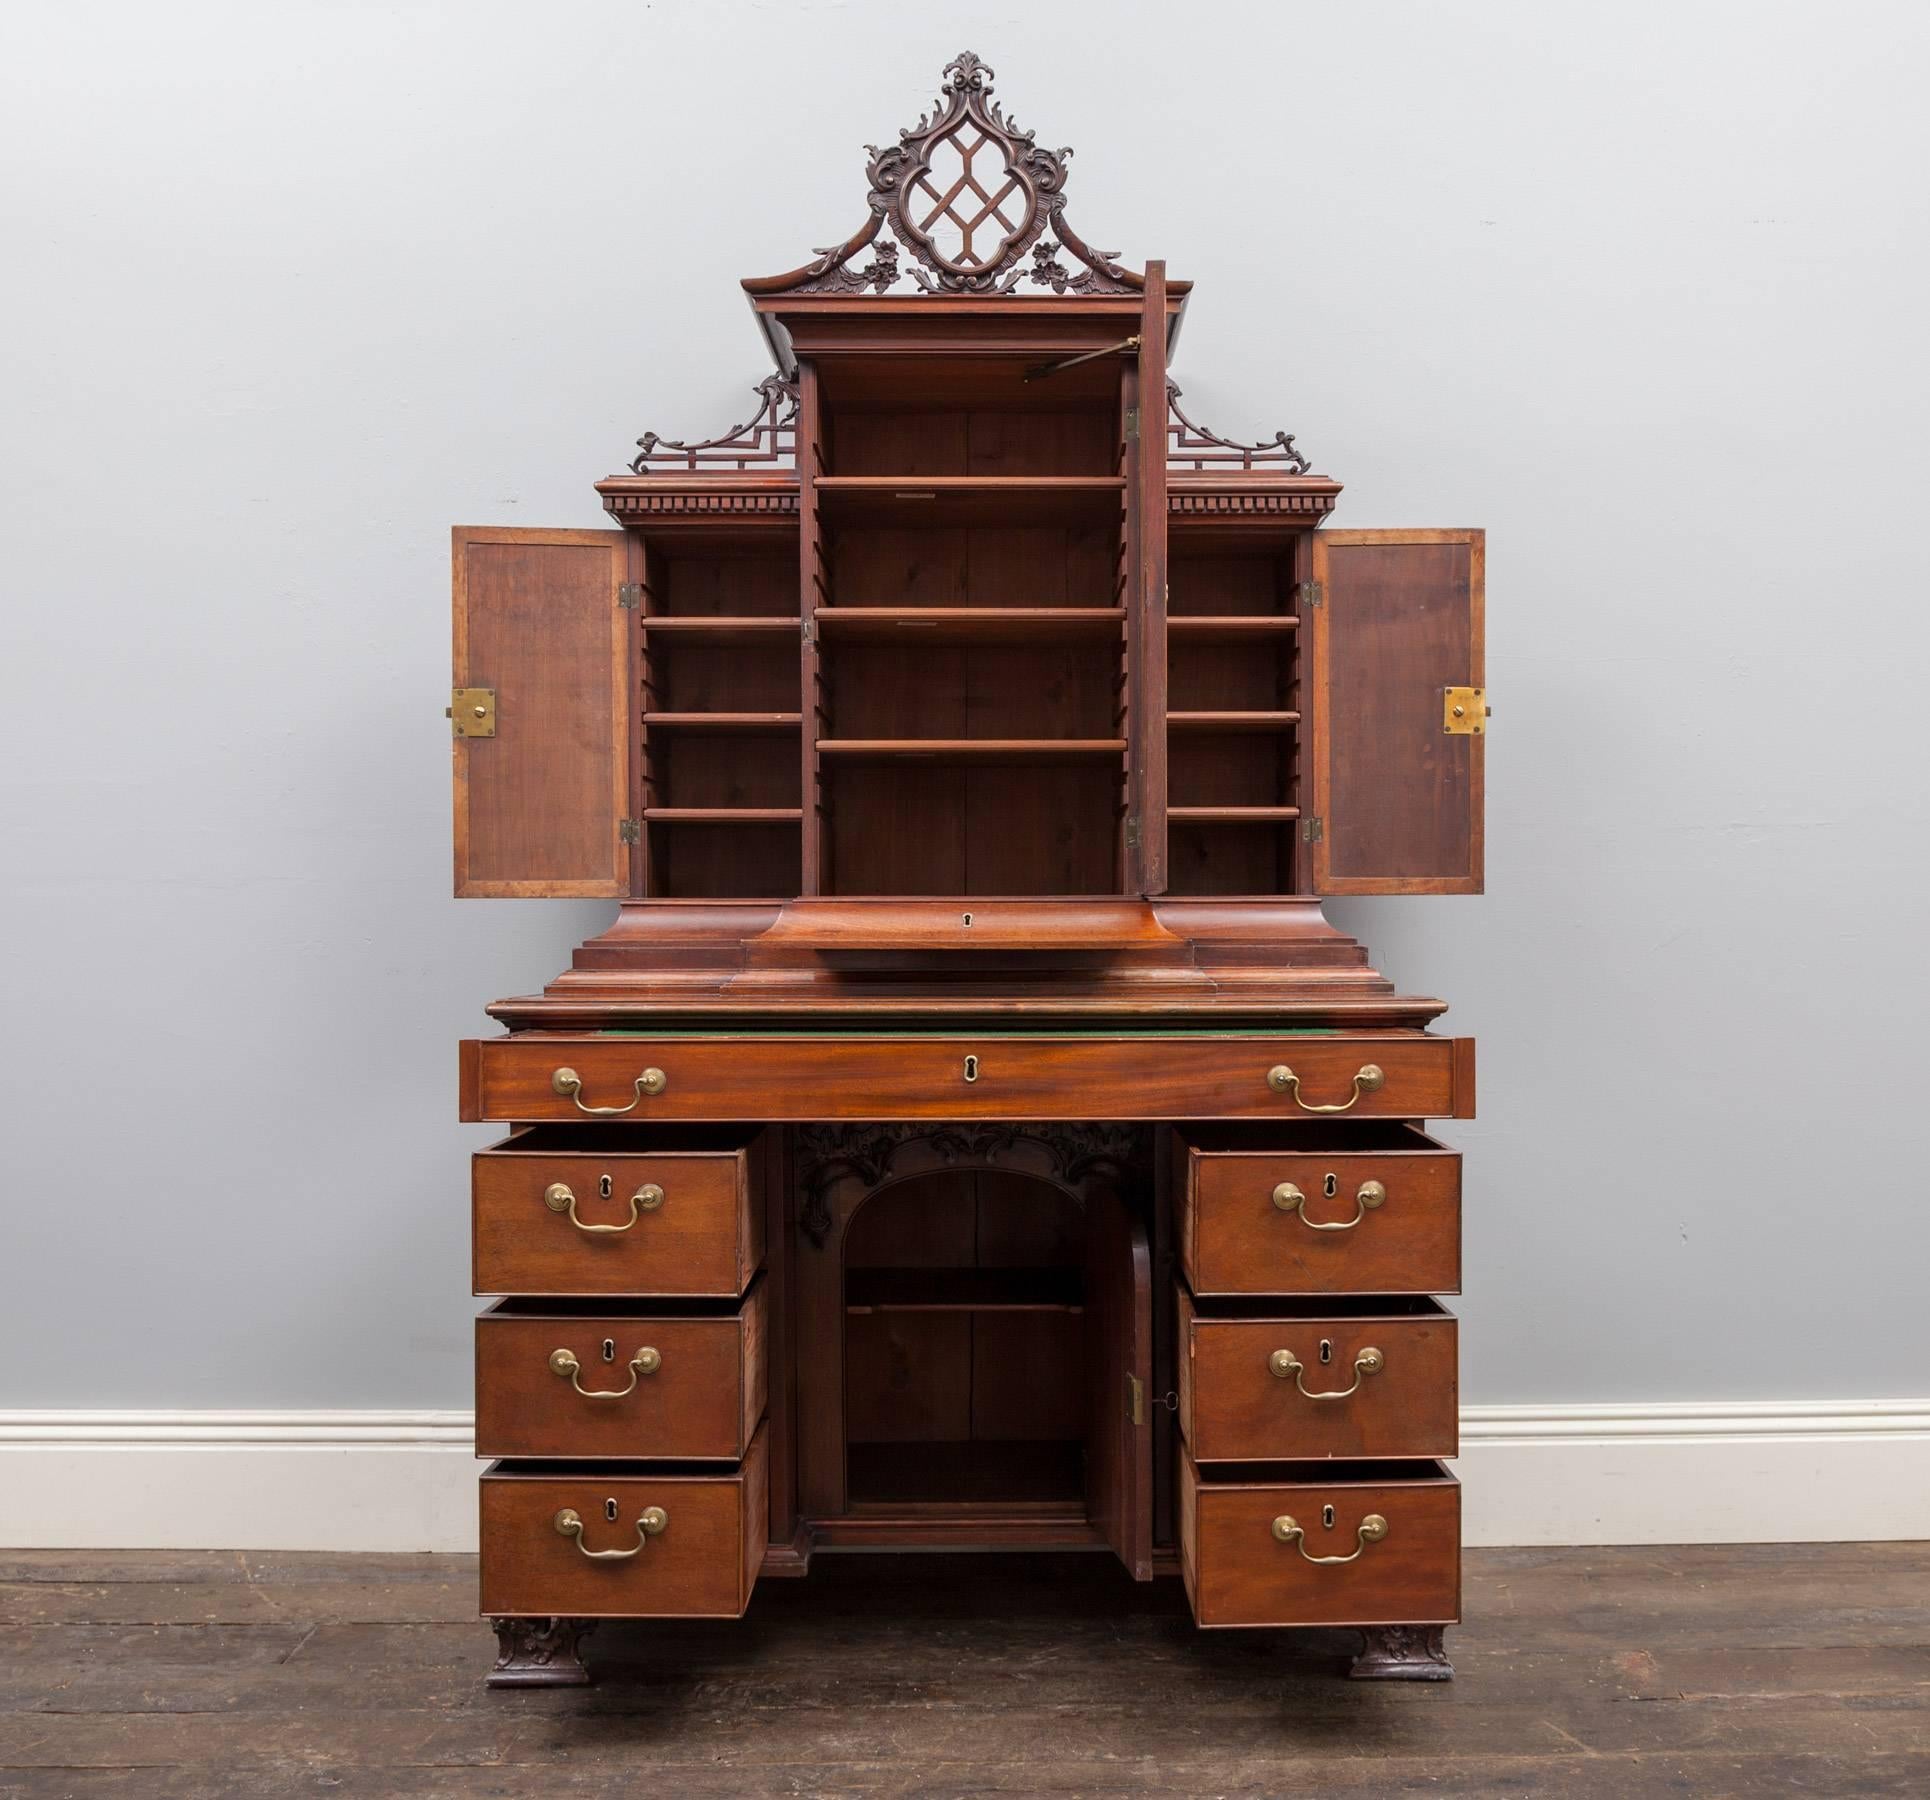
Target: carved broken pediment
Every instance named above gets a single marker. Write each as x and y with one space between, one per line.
966 193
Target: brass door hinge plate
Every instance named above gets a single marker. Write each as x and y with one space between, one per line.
629 831
1313 830
1464 711
1310 593
1132 424
630 595
1135 1400
472 711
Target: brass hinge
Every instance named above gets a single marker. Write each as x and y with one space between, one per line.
808 629
1313 830
472 711
629 831
1135 1400
1132 833
1465 711
630 595
1311 594
1132 424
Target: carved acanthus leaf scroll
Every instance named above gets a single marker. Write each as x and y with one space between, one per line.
967 192
874 1154
1195 447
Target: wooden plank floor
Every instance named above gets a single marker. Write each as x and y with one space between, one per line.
1750 1670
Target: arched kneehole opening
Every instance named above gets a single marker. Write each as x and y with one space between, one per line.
965 1357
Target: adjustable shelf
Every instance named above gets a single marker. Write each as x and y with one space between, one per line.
1232 815
723 815
908 625
963 1290
1231 721
733 722
1008 750
717 626
1230 625
921 500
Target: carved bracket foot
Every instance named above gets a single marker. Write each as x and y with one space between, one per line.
540 1653
1402 1653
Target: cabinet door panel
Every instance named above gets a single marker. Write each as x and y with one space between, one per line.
1397 800
538 806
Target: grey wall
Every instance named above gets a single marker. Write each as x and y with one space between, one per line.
288 289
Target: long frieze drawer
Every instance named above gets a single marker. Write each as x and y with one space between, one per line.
1360 1544
582 1383
1015 1076
582 1210
1334 1208
587 1543
1368 1379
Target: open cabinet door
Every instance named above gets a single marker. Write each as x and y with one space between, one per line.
1396 622
1144 456
1119 1369
541 712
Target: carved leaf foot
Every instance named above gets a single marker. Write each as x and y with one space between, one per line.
1402 1653
540 1652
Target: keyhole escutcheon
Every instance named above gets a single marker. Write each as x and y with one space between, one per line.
971 1068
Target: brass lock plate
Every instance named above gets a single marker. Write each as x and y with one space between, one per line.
473 711
1464 711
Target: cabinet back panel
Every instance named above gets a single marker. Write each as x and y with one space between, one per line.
973 565
1233 770
756 675
701 861
976 443
1229 857
1237 677
718 770
733 586
1226 584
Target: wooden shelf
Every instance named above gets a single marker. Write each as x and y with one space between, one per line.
718 626
1011 750
1231 815
1231 721
914 500
723 815
724 721
967 624
963 1290
1230 625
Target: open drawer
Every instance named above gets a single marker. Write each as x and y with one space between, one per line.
625 1209
1317 1208
1369 1543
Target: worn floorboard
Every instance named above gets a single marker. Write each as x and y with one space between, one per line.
1737 1670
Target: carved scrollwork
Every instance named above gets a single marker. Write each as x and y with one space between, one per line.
1194 446
768 436
875 1154
967 192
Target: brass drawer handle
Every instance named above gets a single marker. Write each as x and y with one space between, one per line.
650 1523
560 1197
1289 1198
563 1362
1287 1529
1284 1363
1284 1081
568 1082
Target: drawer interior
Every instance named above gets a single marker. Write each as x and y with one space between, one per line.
617 1307
1319 1306
1379 1472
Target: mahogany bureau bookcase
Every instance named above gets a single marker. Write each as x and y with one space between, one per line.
971 1134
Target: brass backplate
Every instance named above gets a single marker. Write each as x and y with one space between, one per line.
1464 711
473 712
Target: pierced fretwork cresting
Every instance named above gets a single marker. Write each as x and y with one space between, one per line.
967 192
1191 446
769 437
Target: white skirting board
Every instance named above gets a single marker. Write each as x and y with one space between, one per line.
1754 1472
